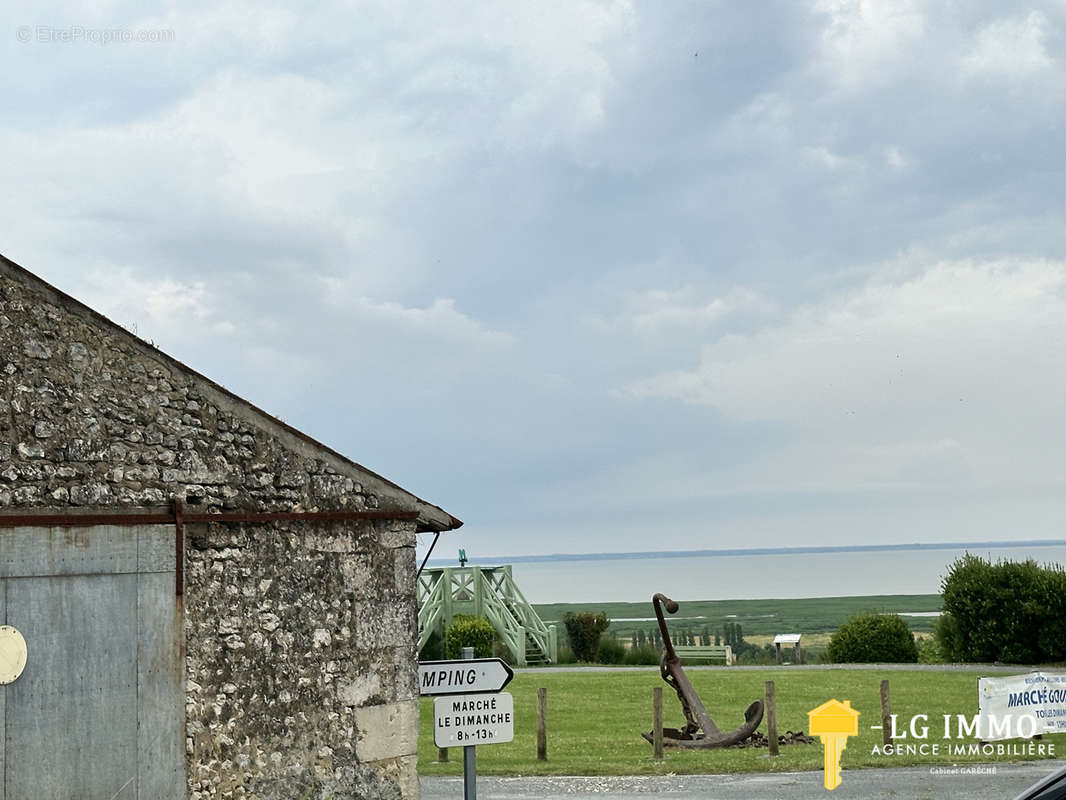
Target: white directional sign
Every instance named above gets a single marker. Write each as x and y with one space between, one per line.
472 719
466 677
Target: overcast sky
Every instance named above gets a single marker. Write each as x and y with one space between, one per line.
591 276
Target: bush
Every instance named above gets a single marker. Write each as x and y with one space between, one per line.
947 635
753 654
583 630
433 650
642 654
565 655
873 638
1010 611
468 631
610 651
502 651
929 651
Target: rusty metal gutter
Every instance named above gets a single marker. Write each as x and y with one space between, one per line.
178 516
66 519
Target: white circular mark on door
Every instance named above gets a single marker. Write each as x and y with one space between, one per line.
12 654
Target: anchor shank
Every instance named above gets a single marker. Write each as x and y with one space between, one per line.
690 701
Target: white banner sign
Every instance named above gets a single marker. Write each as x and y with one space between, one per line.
471 719
1021 706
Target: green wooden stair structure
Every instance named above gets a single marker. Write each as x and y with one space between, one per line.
488 592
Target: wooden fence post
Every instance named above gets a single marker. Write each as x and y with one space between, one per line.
886 714
771 718
657 722
542 724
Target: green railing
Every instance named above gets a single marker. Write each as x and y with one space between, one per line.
430 610
488 592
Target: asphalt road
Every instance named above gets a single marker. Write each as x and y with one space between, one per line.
973 782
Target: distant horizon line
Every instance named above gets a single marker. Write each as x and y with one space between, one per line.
746 551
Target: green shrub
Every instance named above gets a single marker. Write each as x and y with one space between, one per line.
1010 611
610 651
642 654
502 651
752 654
433 650
583 630
565 655
873 638
469 631
948 637
929 651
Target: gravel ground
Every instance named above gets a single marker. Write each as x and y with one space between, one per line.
973 782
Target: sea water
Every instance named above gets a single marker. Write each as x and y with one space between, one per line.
752 576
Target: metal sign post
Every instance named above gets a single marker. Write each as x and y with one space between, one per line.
470 772
470 750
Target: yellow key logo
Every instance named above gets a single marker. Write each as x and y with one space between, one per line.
833 722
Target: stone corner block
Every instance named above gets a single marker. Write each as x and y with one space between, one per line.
386 731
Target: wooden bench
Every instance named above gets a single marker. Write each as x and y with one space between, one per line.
705 653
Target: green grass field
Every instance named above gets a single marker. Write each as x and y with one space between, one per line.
807 615
595 720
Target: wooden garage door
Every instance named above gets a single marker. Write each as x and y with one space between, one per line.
97 712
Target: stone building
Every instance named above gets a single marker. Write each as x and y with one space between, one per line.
214 605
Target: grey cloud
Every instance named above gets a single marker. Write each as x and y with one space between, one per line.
506 213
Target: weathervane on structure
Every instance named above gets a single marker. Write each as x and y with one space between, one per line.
462 557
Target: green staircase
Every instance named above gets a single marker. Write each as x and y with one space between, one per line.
488 592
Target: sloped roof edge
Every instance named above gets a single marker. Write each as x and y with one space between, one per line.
431 517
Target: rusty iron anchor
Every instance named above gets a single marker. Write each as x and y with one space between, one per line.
699 730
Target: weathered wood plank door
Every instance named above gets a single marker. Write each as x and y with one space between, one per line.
98 710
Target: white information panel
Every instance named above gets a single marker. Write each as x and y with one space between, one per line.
1021 706
471 719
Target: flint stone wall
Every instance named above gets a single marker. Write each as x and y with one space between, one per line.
299 638
295 673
